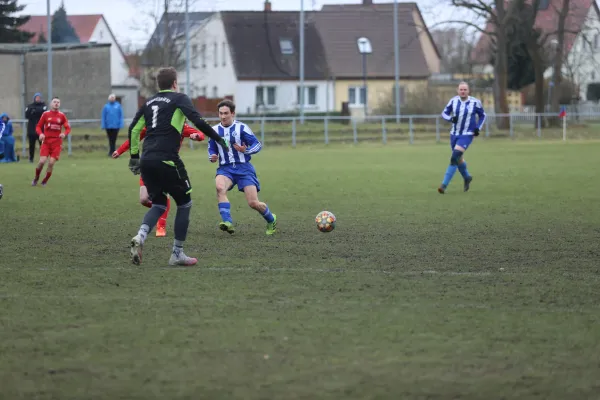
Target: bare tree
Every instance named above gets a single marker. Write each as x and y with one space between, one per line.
165 27
455 46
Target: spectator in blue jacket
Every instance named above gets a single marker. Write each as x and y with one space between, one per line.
112 122
7 140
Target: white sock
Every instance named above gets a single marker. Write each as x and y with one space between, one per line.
143 232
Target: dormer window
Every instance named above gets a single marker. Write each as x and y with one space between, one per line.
286 46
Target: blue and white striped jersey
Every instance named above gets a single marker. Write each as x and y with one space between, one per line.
469 112
239 133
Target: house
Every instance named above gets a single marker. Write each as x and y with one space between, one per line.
169 35
252 57
581 45
94 29
340 26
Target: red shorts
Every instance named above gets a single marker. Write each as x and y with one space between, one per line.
141 182
51 148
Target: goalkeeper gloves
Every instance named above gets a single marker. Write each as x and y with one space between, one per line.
455 119
476 131
134 165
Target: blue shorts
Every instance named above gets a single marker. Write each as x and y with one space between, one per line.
463 141
241 175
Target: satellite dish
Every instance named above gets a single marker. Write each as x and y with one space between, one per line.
364 45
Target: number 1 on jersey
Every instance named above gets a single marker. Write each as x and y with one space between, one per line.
154 115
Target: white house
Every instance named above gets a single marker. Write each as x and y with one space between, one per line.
253 57
581 44
90 29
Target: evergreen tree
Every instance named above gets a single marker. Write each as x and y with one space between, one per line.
62 30
42 37
9 23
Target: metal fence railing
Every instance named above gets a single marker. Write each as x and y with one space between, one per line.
293 131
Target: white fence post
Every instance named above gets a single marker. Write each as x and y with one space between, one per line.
437 129
354 131
411 132
326 129
383 131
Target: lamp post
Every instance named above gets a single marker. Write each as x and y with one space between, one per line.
364 48
49 51
301 61
396 62
187 49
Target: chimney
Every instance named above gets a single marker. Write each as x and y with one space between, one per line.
267 5
367 2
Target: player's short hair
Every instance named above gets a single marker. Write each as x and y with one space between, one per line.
56 97
227 103
166 77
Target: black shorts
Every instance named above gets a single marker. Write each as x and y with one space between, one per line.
166 177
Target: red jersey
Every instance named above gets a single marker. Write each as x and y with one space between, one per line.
53 122
186 132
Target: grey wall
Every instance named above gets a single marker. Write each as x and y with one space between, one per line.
81 79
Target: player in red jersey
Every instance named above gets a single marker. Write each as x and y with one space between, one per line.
161 227
52 121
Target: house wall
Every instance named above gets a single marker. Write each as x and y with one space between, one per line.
583 62
286 96
81 78
129 99
119 71
212 73
378 91
431 56
11 101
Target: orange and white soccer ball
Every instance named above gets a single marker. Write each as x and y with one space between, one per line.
325 221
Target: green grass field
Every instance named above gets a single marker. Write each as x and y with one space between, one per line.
490 294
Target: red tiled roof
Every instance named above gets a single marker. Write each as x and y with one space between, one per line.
84 26
547 22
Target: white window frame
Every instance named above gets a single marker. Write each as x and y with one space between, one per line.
307 90
265 96
357 91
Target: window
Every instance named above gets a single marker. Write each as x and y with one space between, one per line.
215 92
286 46
265 95
356 96
203 55
195 56
224 53
544 4
203 91
593 76
596 41
216 48
310 95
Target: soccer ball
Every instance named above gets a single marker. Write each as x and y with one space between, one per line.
1 190
325 221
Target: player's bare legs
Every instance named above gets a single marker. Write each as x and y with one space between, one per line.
38 169
223 184
251 193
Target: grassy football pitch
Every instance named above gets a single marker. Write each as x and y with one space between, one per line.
488 294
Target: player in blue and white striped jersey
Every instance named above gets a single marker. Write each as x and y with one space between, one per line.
467 116
235 167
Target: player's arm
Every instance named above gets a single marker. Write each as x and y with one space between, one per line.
188 131
213 151
40 124
185 105
125 146
134 135
480 114
66 125
253 145
447 113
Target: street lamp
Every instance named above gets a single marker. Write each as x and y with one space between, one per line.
364 48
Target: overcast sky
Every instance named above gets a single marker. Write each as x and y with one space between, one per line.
124 15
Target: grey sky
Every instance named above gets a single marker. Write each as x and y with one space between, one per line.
121 14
